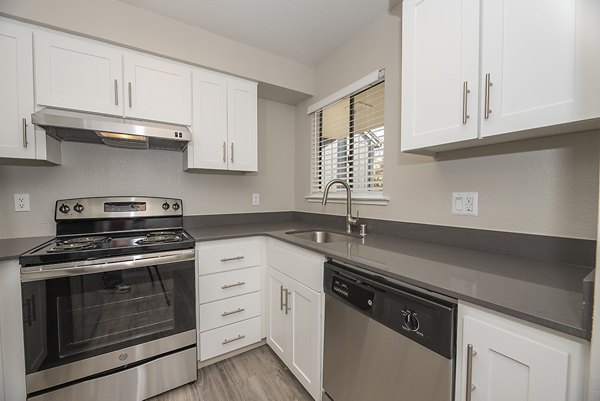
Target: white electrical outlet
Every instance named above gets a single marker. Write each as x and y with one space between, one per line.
255 199
465 203
22 202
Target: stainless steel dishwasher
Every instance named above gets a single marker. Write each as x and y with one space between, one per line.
385 341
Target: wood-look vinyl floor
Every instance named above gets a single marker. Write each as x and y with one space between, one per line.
257 375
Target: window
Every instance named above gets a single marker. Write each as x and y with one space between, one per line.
348 143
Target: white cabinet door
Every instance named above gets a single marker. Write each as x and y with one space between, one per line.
278 330
77 74
295 326
517 362
16 102
157 90
209 123
535 62
242 125
305 341
440 72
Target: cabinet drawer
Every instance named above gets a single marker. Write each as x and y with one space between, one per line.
303 266
229 338
220 256
229 284
228 311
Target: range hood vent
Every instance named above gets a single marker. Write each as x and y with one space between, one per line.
112 131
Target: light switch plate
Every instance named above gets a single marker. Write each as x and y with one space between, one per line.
465 203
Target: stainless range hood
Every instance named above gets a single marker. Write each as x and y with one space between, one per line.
112 131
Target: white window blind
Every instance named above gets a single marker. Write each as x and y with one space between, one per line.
348 143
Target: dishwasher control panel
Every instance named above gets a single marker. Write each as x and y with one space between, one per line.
359 296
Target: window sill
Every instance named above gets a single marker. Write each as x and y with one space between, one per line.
356 199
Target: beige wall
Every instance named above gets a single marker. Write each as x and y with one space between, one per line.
123 24
96 170
544 186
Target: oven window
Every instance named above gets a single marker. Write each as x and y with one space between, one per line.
69 319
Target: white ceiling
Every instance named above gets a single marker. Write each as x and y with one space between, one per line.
303 30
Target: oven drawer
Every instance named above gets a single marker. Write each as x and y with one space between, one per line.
226 255
229 338
229 284
228 311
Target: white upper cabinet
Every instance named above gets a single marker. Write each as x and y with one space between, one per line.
77 74
242 125
17 134
157 90
440 72
224 123
474 71
85 75
530 50
209 145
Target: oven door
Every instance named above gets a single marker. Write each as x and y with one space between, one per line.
80 320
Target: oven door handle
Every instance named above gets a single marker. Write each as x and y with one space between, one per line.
37 273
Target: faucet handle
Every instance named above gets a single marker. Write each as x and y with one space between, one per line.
351 219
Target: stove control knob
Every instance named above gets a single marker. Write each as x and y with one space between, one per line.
176 206
165 206
411 322
78 208
64 208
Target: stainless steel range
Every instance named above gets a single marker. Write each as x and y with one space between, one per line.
109 304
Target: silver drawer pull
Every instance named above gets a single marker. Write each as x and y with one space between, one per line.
226 286
233 312
239 337
232 258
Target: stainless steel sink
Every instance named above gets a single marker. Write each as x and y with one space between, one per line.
323 237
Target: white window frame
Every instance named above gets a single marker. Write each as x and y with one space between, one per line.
367 198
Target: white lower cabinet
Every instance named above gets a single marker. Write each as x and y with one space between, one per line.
229 338
516 361
230 302
295 318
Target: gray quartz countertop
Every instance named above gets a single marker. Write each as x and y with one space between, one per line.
545 293
11 248
554 295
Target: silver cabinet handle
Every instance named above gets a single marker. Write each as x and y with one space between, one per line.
470 386
280 297
129 90
232 152
116 93
287 308
466 91
226 286
24 132
224 152
486 106
239 337
233 312
232 258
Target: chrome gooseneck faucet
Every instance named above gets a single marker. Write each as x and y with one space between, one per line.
350 220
